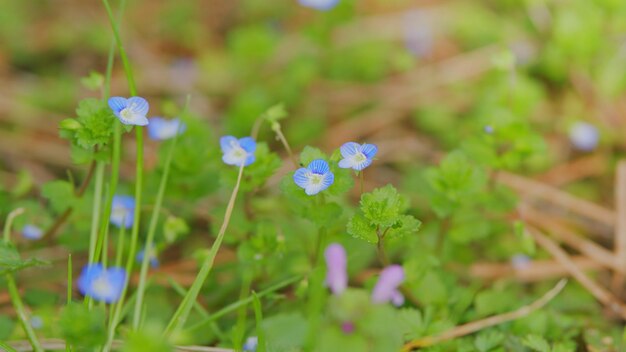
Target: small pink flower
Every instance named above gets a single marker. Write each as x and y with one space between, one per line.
386 289
336 263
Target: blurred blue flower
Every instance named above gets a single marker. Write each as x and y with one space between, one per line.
520 261
238 151
418 33
251 344
314 178
336 268
154 260
32 232
131 111
386 289
323 5
357 156
584 136
102 284
160 129
122 211
36 322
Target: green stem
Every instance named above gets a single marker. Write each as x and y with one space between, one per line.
96 210
234 306
7 347
240 326
149 244
181 314
9 223
21 313
119 252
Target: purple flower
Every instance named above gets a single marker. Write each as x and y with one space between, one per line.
131 111
386 289
336 274
584 136
102 284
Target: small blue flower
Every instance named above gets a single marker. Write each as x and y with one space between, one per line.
160 129
238 151
314 178
131 111
122 211
357 156
323 5
32 232
251 344
154 261
102 284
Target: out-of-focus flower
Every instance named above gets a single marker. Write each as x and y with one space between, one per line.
357 156
336 268
386 289
584 136
251 344
152 255
418 34
160 129
122 211
238 151
32 232
520 261
314 178
131 111
102 284
323 5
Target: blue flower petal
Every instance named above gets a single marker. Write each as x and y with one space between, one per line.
161 129
319 166
361 166
122 211
117 104
227 143
369 150
32 232
249 159
139 105
349 149
300 177
322 5
328 180
248 144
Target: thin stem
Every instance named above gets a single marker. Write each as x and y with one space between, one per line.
181 314
121 241
151 232
478 325
240 326
21 313
68 347
95 212
362 178
9 223
234 306
7 347
279 133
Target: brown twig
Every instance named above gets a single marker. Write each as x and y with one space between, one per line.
536 270
617 283
478 325
599 292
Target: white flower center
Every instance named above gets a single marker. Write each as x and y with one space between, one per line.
359 157
316 179
127 113
102 286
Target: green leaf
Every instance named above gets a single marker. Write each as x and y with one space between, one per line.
6 327
309 154
83 327
275 113
536 343
93 125
382 206
359 227
60 194
488 340
94 81
285 332
10 260
405 226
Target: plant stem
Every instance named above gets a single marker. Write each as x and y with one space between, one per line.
181 314
240 326
151 232
279 133
9 223
96 210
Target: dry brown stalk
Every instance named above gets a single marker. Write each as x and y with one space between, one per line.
536 270
478 325
600 293
617 283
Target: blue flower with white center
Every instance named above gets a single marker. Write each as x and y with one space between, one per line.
584 136
160 129
323 5
152 255
357 156
251 344
32 232
314 178
238 151
131 111
122 211
102 284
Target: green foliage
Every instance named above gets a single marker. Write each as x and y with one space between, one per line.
11 261
60 194
83 327
93 125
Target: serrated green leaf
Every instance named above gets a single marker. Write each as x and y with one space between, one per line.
359 227
537 343
406 225
382 206
10 260
83 327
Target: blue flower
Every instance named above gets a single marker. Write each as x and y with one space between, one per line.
314 178
584 136
357 156
251 344
323 5
131 111
102 284
122 211
160 129
238 151
154 261
32 232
